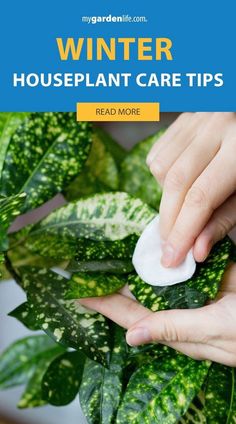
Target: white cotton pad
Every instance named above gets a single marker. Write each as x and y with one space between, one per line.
147 260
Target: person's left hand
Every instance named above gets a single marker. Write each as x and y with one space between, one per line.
203 333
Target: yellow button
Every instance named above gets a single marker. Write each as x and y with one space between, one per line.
118 111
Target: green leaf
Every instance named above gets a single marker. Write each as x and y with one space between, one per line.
43 156
101 389
26 315
33 395
136 178
109 216
93 284
9 121
111 266
62 379
220 395
63 247
195 413
191 294
98 250
116 150
19 361
99 174
161 391
65 321
10 208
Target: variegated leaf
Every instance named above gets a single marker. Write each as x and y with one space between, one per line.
32 395
93 284
10 208
26 315
9 122
110 266
109 216
220 406
136 178
191 294
195 413
62 379
44 154
101 389
161 391
65 321
99 174
64 247
19 361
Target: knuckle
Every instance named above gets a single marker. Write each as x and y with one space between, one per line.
169 332
175 179
158 170
197 197
184 117
224 225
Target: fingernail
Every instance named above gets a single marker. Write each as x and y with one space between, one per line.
138 336
168 255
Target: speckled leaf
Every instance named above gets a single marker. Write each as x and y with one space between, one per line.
111 266
9 121
117 249
195 413
33 395
109 216
44 154
19 360
62 379
93 284
10 208
191 294
65 321
100 172
25 314
136 178
62 247
161 391
220 395
101 388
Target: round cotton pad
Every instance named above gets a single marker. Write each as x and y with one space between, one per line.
147 260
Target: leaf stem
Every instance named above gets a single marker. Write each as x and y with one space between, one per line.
12 270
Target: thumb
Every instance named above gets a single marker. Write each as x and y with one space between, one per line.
177 325
221 222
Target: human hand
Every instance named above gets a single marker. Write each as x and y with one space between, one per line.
194 161
203 333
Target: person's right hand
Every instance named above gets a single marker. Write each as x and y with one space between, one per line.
195 162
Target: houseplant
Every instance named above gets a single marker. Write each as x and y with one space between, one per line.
83 249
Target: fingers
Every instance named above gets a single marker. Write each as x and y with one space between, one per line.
204 196
169 135
180 178
192 326
172 145
221 222
202 352
120 309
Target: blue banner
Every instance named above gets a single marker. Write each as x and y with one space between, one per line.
55 54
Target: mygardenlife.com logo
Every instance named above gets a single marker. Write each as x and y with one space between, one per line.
113 19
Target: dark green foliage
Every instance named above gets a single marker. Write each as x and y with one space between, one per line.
62 379
136 178
43 155
191 294
94 239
